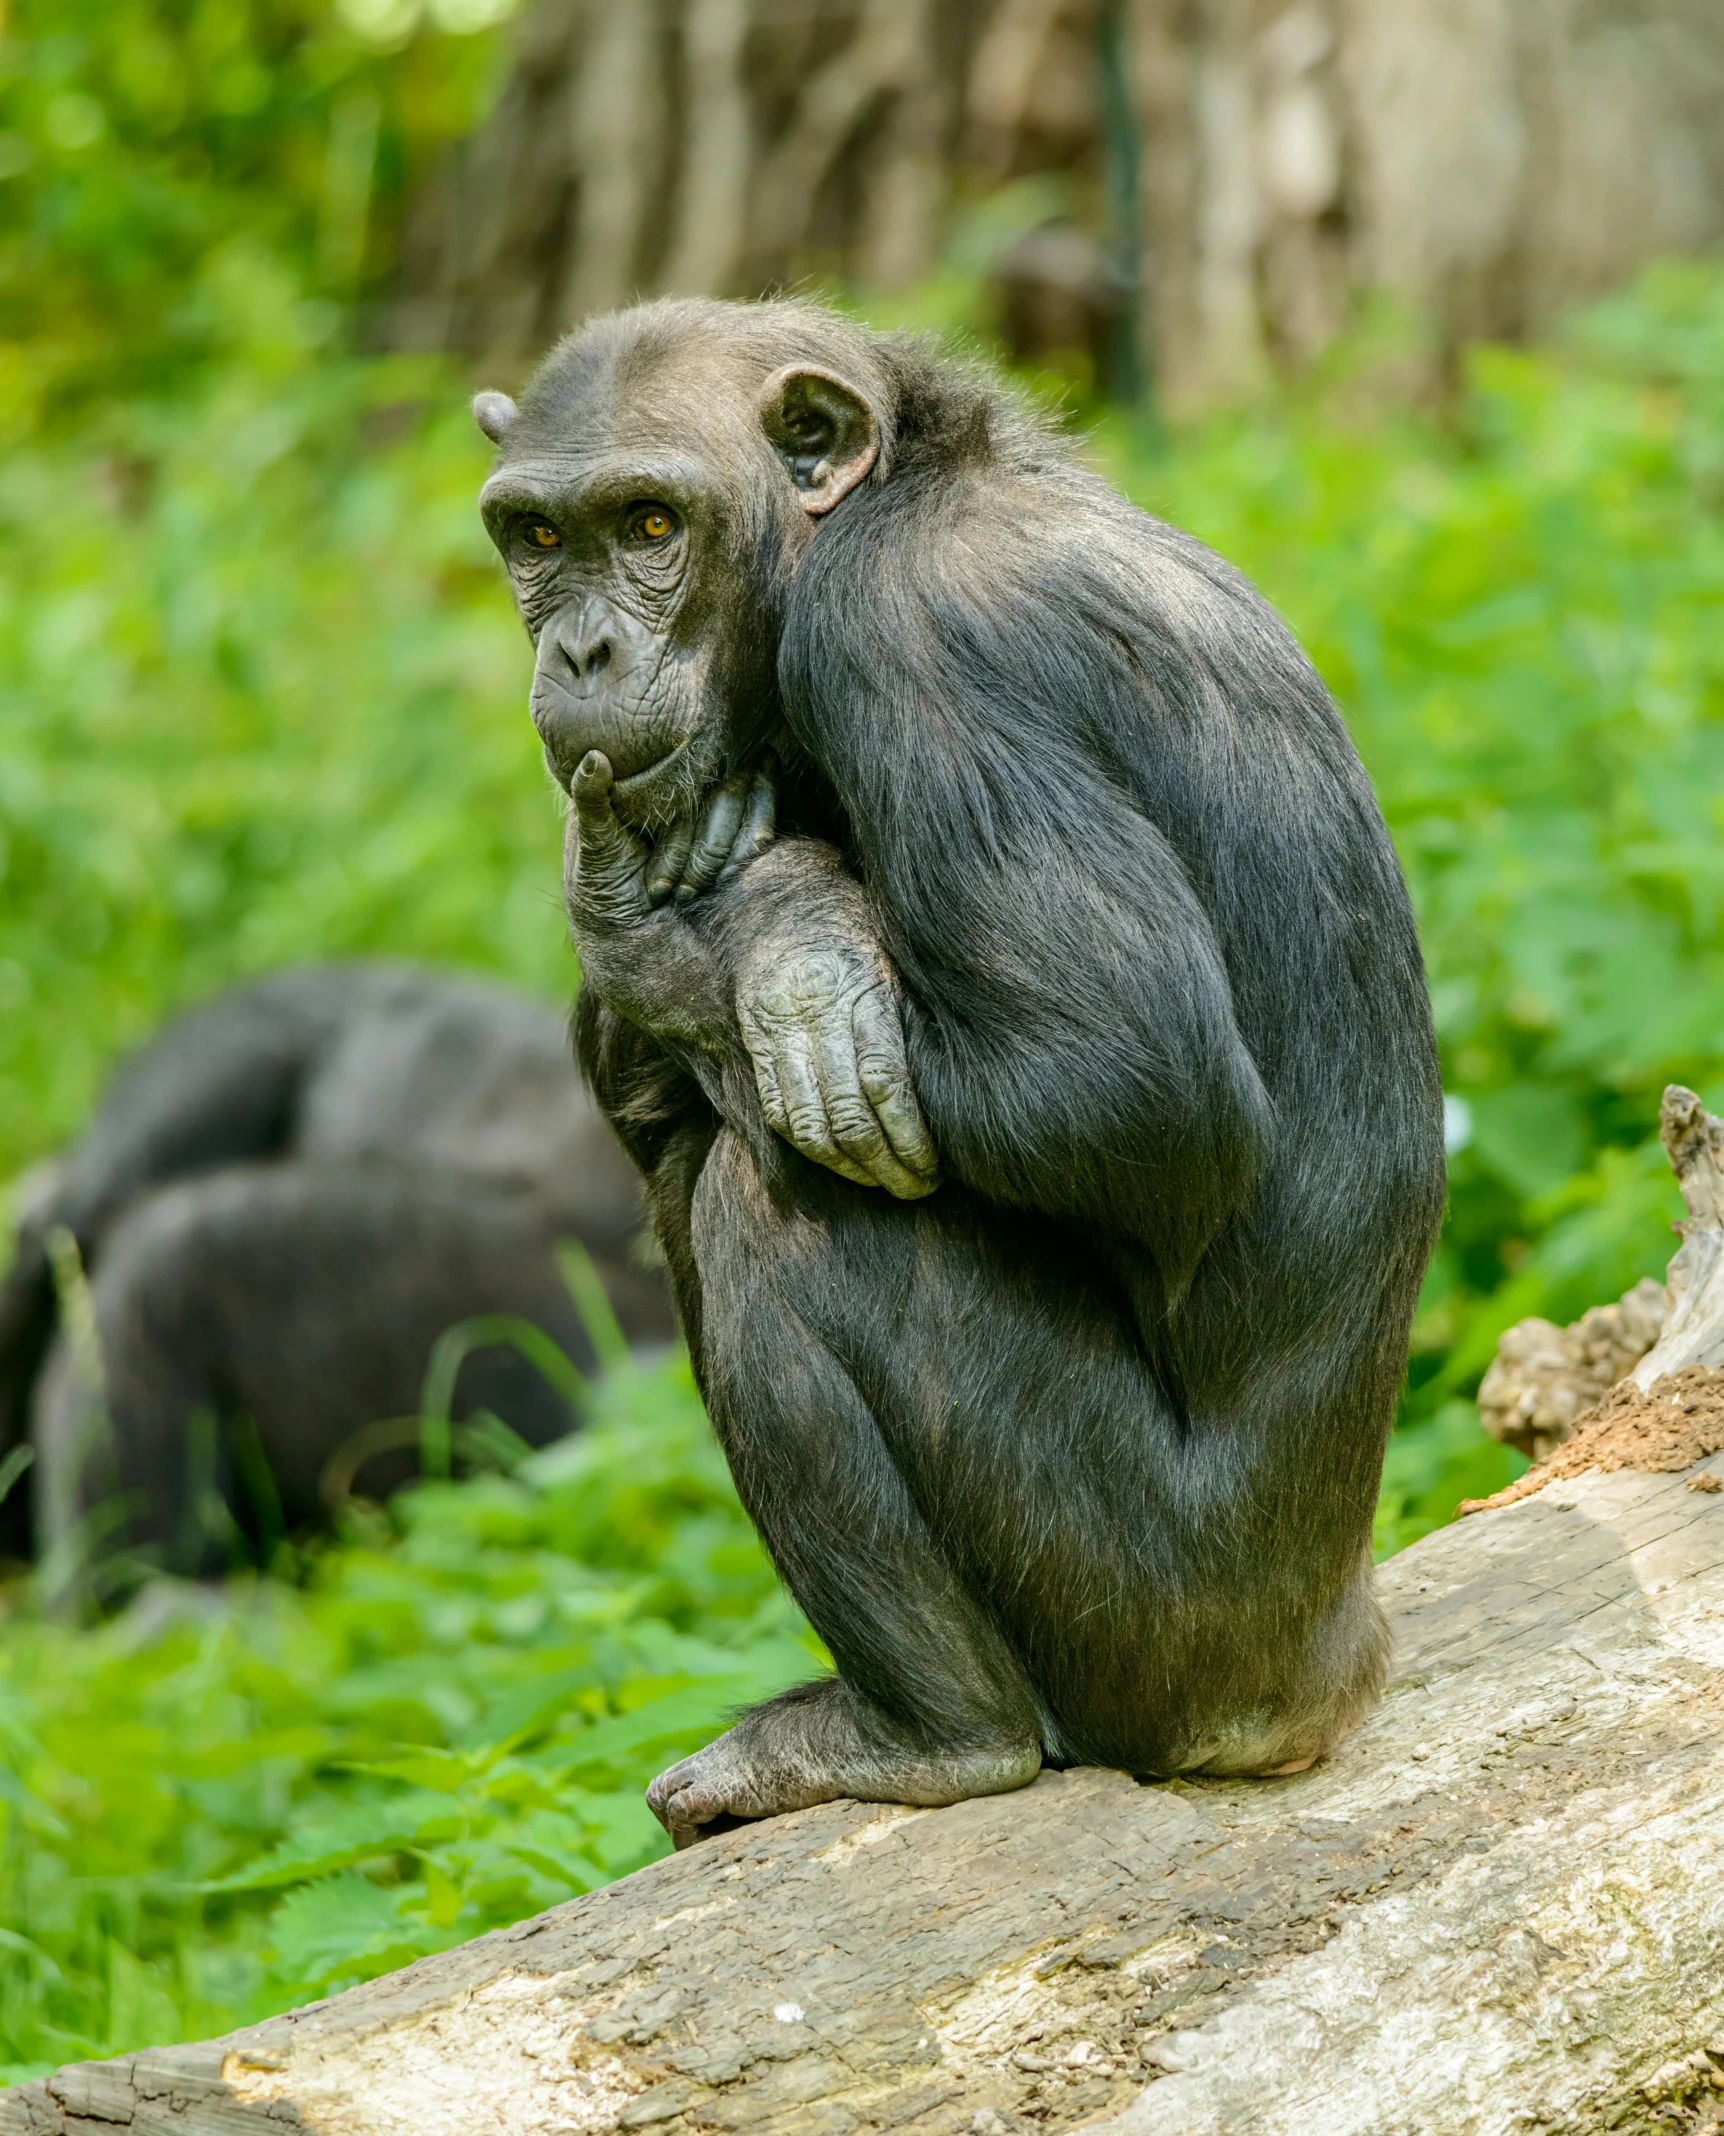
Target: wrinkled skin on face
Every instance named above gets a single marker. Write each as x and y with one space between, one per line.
651 580
610 557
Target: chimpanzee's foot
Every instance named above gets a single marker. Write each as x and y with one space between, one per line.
814 1744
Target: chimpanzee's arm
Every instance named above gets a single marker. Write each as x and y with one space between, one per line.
774 991
1070 1029
1019 700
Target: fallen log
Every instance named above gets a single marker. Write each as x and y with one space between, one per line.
1499 1906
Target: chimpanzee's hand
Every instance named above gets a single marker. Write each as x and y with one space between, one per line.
707 849
820 1019
813 994
604 862
612 879
649 965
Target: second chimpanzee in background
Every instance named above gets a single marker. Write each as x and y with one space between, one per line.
1044 1127
282 1203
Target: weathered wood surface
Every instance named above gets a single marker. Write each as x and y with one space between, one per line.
1693 1332
1500 1906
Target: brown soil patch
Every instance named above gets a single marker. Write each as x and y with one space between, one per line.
1680 1422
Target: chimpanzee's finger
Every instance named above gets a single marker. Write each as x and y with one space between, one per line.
590 790
609 879
712 847
762 1036
781 1072
851 1115
669 861
759 819
884 1075
809 1126
766 1082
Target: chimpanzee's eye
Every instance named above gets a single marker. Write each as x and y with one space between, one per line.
542 536
652 522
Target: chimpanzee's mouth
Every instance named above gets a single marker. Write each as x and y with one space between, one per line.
652 770
641 798
639 783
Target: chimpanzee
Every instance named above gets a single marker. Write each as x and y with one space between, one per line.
281 1204
999 970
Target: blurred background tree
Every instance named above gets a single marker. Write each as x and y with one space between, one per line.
1304 277
1205 185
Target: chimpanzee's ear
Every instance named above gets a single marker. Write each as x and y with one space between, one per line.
823 431
494 412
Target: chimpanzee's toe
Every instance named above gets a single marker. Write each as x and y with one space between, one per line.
689 1797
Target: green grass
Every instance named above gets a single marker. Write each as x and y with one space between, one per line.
219 1804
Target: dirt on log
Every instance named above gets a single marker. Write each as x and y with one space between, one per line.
1499 1906
1674 1426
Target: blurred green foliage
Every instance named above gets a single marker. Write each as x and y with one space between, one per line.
259 696
168 166
261 699
220 1804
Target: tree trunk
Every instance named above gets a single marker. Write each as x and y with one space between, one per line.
1546 1383
691 147
1497 1906
1487 163
1693 1331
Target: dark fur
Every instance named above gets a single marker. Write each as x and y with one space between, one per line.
1081 1450
281 1204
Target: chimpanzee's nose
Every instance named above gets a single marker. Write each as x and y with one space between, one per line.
592 688
584 640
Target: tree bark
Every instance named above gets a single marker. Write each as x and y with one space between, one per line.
1485 163
1515 157
691 147
1497 1906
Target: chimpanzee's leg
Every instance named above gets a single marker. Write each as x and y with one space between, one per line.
957 1447
930 1705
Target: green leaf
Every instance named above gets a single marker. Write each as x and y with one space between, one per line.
442 1771
1533 1135
345 1926
700 1711
442 1897
360 1834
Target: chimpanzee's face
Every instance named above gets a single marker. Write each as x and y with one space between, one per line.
650 520
613 554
